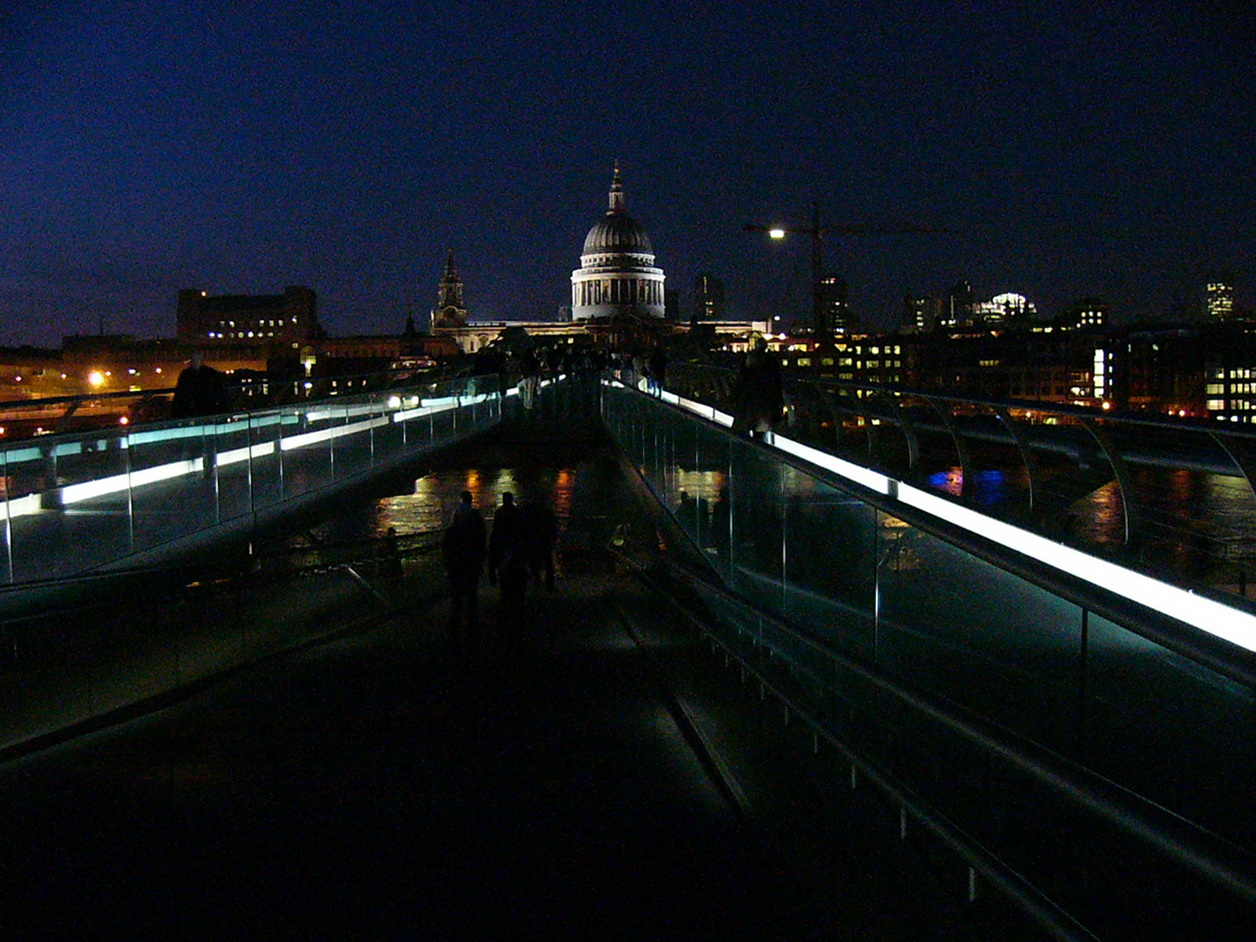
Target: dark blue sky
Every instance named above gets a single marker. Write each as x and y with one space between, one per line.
1074 148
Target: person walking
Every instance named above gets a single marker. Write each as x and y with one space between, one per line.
758 394
540 529
508 565
462 551
657 366
200 390
529 378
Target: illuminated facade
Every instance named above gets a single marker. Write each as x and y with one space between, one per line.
835 305
617 274
959 306
257 321
1219 299
922 313
1087 312
1008 308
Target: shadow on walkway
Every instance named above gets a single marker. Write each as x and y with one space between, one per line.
386 785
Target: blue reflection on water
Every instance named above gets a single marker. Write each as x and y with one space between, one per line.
989 488
950 481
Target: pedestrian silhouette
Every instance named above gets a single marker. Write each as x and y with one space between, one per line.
758 396
462 551
390 558
508 565
657 368
200 390
540 530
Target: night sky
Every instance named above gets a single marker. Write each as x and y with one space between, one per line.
1072 149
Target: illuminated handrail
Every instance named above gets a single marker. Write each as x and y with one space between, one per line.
103 493
1051 462
1201 851
874 622
1236 625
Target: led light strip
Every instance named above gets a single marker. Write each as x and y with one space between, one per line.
116 483
76 493
1206 614
293 442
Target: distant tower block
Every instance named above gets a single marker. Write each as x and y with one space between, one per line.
1219 299
708 298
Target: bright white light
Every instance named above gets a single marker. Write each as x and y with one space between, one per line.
96 378
777 233
236 455
853 472
1205 614
74 493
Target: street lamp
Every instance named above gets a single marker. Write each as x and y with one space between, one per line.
816 233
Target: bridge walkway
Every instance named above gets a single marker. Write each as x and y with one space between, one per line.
607 779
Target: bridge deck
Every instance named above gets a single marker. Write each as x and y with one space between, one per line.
384 785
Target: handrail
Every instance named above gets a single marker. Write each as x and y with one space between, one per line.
1200 850
1219 654
221 475
1173 836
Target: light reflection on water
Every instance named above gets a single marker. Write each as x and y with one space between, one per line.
989 487
701 485
428 508
1195 522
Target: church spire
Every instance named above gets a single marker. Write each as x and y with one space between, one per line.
450 310
617 193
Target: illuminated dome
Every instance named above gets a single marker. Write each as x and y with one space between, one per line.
617 232
616 273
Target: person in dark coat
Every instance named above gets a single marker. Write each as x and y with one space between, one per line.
462 551
657 366
199 391
540 528
508 551
758 395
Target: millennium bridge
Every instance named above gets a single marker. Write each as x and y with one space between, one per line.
911 666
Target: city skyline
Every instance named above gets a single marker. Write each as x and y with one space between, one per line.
1087 150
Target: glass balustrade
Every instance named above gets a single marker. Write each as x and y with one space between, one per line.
923 604
79 501
1174 499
